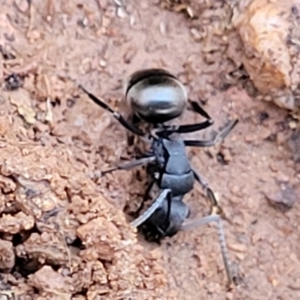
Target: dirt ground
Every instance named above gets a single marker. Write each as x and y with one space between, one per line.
62 232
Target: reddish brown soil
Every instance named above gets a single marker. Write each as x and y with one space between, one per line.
64 235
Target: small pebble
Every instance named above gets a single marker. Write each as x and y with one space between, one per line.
250 138
273 167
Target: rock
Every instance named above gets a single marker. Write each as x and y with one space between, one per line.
268 30
7 255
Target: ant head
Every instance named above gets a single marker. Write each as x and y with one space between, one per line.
155 95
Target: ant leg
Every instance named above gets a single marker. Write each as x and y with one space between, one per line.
214 218
190 127
134 120
115 114
199 110
215 208
185 128
169 199
217 139
148 213
131 164
149 188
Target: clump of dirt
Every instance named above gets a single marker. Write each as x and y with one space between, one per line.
269 31
62 235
